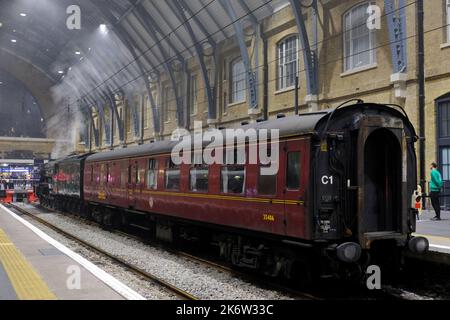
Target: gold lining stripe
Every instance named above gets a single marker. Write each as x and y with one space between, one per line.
217 197
25 280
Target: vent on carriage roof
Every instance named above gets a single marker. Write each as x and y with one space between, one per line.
281 115
260 120
244 123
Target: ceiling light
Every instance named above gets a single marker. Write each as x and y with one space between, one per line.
13 40
77 53
1 83
23 14
60 72
1 24
103 28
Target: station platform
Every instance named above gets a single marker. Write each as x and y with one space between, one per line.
34 266
437 232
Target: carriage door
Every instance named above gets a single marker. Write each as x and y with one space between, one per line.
131 186
381 176
294 165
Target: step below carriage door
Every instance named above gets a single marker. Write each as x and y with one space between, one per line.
382 168
294 164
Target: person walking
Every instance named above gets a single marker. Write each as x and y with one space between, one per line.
435 190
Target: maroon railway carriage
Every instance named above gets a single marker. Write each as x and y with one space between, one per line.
144 179
342 194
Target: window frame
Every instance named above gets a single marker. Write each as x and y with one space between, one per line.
244 185
258 180
102 173
108 173
232 98
130 174
287 171
153 168
170 166
198 167
123 174
352 54
447 19
137 173
281 83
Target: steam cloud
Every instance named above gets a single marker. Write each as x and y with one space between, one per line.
103 68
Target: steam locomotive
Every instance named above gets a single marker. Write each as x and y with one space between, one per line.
339 201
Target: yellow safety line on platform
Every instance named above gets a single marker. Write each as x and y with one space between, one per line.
25 280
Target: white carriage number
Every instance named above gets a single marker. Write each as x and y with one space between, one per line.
327 180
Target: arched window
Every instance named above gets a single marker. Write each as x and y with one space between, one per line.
238 85
287 62
359 40
448 20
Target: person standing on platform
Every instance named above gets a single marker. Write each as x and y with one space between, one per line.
435 190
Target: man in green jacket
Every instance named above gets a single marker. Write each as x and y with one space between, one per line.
435 190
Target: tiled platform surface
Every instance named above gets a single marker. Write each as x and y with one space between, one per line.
32 269
437 232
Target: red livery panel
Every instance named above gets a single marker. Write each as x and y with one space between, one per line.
126 184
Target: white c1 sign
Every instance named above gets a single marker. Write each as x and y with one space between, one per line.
327 180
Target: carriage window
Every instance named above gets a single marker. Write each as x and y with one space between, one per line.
107 173
233 179
199 179
137 174
129 174
172 176
267 184
123 174
92 173
102 173
293 171
152 174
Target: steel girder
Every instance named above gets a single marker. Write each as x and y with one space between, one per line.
309 57
106 97
153 29
92 125
251 76
86 122
123 37
146 21
112 99
210 90
396 18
